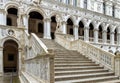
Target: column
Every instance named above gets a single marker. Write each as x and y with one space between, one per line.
112 38
96 35
20 61
76 31
82 3
47 28
2 17
25 21
118 38
104 36
1 61
86 34
64 29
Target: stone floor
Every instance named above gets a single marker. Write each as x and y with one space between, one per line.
9 78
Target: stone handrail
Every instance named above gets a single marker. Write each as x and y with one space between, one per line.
96 54
39 62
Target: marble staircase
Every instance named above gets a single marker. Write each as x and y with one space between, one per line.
72 67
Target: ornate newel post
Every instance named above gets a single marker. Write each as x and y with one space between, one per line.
117 64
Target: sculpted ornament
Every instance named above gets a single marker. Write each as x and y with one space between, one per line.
36 1
58 27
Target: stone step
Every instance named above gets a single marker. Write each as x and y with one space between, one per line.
70 62
111 81
81 76
71 58
72 72
74 65
79 64
77 68
89 80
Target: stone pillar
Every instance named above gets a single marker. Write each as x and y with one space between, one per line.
117 64
2 17
25 21
82 3
118 38
64 29
47 28
86 34
112 38
1 61
76 31
20 61
96 35
104 36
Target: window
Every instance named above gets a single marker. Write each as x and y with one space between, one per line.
104 8
113 11
10 57
75 3
85 4
67 1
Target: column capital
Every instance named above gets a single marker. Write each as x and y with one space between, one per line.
64 22
95 29
75 26
86 27
25 15
104 31
112 32
47 19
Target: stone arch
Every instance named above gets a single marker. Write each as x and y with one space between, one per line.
108 34
72 19
10 38
70 26
53 26
56 13
12 13
81 28
91 30
36 23
100 30
10 56
31 9
11 4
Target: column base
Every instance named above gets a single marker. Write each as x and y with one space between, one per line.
1 73
47 37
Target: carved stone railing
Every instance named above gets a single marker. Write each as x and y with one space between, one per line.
39 63
96 54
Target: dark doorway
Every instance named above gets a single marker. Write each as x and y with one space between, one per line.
53 26
10 56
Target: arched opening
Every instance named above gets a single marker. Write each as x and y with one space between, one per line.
100 33
53 26
12 16
115 36
81 30
91 32
36 23
108 35
10 56
69 27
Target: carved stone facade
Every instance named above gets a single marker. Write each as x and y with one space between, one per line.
98 24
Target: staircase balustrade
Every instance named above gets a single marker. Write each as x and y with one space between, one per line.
98 55
39 64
